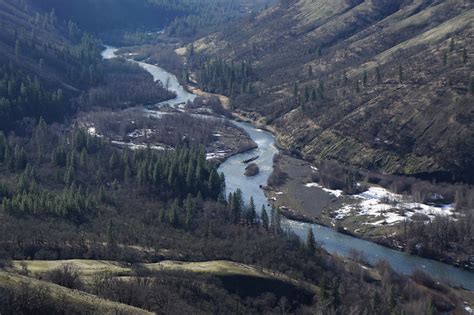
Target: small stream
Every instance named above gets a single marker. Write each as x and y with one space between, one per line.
331 240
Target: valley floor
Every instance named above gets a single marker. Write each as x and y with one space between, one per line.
375 215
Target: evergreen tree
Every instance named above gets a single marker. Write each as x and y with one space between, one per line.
310 241
275 221
235 201
378 75
264 218
306 93
295 92
464 55
251 212
214 184
400 73
173 214
451 45
111 242
189 211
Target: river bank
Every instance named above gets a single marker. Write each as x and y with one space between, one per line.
331 240
301 199
168 123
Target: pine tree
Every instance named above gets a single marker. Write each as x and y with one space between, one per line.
69 176
364 78
314 95
236 205
378 75
400 73
173 214
357 86
214 184
83 158
223 184
251 212
451 45
189 211
275 220
321 89
114 161
464 55
264 218
111 242
310 241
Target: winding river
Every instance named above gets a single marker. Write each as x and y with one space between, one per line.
331 240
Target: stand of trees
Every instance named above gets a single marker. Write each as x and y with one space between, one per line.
71 195
221 77
188 18
22 95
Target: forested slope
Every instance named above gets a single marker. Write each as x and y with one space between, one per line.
383 85
42 64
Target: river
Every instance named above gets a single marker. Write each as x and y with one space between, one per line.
331 240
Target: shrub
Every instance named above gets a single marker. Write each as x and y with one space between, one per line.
66 276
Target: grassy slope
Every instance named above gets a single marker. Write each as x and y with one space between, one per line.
72 297
219 268
414 121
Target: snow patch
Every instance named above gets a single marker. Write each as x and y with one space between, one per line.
134 146
215 155
391 208
140 133
336 192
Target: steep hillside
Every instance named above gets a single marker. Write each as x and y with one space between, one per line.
40 68
382 85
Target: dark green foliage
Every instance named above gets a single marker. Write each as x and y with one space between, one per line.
169 174
218 76
73 204
310 242
170 216
45 69
21 95
264 218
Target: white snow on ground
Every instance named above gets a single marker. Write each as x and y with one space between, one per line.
314 168
134 146
335 192
392 208
469 310
92 131
279 193
215 155
140 133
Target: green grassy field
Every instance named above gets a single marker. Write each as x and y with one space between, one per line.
218 268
